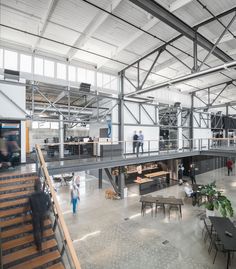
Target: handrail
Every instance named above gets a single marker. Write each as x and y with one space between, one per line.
67 238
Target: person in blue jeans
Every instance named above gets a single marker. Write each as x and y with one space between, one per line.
75 197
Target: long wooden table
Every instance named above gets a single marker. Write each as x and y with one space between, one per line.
162 201
221 225
157 174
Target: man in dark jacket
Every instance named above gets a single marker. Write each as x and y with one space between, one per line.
135 141
40 203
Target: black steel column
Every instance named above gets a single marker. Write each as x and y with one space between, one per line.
226 126
121 111
191 121
100 178
121 184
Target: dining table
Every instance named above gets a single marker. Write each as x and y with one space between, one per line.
226 232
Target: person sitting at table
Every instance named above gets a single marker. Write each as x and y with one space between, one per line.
190 193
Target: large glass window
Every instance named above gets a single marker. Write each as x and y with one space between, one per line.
35 125
99 80
114 83
90 77
54 125
48 68
106 81
38 66
10 60
45 125
71 73
61 71
25 63
81 74
1 58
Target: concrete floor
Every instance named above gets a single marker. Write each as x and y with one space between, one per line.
111 234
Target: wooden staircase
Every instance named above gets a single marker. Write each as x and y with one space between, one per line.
17 240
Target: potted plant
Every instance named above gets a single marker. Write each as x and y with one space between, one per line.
215 200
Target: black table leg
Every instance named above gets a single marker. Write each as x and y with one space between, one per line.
228 260
180 211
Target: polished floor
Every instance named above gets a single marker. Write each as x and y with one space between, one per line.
111 234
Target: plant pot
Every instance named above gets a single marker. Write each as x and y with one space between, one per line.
210 213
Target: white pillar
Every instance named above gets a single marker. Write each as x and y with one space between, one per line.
61 136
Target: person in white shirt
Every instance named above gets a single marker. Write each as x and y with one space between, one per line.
76 180
190 193
75 196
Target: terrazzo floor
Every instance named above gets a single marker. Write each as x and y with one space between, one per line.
112 234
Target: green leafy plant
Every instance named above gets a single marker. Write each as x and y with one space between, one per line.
215 200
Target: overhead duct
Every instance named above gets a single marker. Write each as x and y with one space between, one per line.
185 78
64 110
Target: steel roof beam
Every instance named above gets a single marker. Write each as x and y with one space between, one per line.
180 26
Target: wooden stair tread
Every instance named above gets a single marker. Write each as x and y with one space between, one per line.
14 211
21 229
9 174
14 202
23 253
14 221
16 187
17 180
39 261
24 240
57 266
14 194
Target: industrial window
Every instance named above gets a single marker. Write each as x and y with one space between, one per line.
90 77
25 63
114 83
10 60
35 125
1 58
81 74
54 125
48 68
38 66
71 73
45 125
61 71
99 80
106 81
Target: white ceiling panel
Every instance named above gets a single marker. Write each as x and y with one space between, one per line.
75 14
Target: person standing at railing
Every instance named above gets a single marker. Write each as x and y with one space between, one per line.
40 203
229 165
140 142
75 196
135 141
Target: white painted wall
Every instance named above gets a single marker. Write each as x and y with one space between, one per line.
203 133
9 110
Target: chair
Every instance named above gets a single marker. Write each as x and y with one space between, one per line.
218 247
146 204
158 204
175 207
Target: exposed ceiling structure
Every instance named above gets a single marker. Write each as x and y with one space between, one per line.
113 34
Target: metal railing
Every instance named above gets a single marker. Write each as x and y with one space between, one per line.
65 245
129 149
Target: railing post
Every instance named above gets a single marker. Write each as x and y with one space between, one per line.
125 148
148 147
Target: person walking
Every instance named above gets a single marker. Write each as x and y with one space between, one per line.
140 142
135 141
40 203
229 165
75 196
180 173
192 174
76 180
